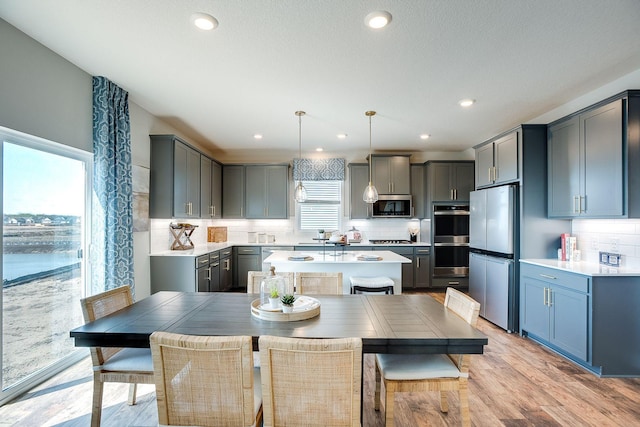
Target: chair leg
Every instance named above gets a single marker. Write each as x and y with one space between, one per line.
390 391
96 410
376 398
464 404
444 404
132 394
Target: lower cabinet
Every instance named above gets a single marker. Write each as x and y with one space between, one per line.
422 268
245 259
183 273
490 280
226 269
554 308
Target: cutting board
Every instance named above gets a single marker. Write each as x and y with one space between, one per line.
216 234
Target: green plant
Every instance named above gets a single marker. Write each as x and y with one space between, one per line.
287 299
274 292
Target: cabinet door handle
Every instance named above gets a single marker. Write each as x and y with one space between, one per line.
576 204
580 204
455 194
489 170
550 298
451 194
418 263
227 264
495 173
544 297
546 276
209 273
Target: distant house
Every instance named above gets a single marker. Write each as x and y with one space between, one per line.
46 221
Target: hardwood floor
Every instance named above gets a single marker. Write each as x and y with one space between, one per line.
514 383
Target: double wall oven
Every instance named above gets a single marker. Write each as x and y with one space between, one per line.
450 241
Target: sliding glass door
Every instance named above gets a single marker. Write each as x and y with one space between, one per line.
45 188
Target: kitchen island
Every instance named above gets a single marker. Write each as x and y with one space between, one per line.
349 263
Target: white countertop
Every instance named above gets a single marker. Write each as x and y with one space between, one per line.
585 268
349 257
211 247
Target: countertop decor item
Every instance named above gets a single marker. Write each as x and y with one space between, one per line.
181 236
216 234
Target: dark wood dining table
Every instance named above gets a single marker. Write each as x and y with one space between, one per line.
386 323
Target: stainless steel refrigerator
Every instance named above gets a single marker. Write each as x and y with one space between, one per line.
492 244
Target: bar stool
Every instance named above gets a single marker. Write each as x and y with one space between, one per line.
371 284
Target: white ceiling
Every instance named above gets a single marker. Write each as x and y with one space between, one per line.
269 58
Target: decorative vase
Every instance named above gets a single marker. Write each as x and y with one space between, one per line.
287 309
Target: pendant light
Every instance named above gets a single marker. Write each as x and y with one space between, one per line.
301 193
370 194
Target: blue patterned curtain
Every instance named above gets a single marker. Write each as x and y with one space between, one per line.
318 169
112 221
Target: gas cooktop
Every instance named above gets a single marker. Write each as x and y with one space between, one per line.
390 242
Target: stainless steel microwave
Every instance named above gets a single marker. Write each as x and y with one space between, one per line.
392 206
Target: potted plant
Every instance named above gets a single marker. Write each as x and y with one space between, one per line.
321 234
287 301
274 297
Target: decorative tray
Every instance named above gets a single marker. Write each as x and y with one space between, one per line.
369 258
300 258
303 308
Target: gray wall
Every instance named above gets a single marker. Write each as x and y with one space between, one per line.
42 93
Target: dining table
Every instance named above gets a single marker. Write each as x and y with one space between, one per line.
406 323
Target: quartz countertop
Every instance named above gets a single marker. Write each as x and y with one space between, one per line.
348 257
212 247
585 268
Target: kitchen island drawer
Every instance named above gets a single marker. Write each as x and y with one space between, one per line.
202 261
573 281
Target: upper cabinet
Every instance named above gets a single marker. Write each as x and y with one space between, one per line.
210 188
233 191
449 181
417 189
497 160
266 191
592 162
174 187
391 174
358 180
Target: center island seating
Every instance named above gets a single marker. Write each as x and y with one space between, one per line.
311 283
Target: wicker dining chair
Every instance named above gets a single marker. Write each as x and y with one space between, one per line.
315 283
428 372
120 365
311 382
254 279
206 381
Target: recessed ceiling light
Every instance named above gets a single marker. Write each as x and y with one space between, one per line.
377 19
425 136
204 21
319 149
341 136
257 136
467 102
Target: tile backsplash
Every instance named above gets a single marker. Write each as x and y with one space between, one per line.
621 236
284 230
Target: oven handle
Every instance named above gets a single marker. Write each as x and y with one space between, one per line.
450 213
451 244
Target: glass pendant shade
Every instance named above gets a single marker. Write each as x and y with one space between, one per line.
300 193
370 194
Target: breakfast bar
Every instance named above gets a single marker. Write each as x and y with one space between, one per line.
350 263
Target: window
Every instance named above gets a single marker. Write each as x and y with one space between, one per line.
45 189
323 207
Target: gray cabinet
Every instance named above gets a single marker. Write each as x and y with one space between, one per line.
233 191
418 190
497 161
407 269
174 187
266 191
245 259
210 188
449 181
186 273
391 174
555 309
226 269
490 280
358 180
422 268
586 164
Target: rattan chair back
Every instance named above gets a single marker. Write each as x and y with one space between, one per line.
311 382
319 283
204 380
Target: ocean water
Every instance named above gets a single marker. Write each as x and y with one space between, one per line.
18 265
